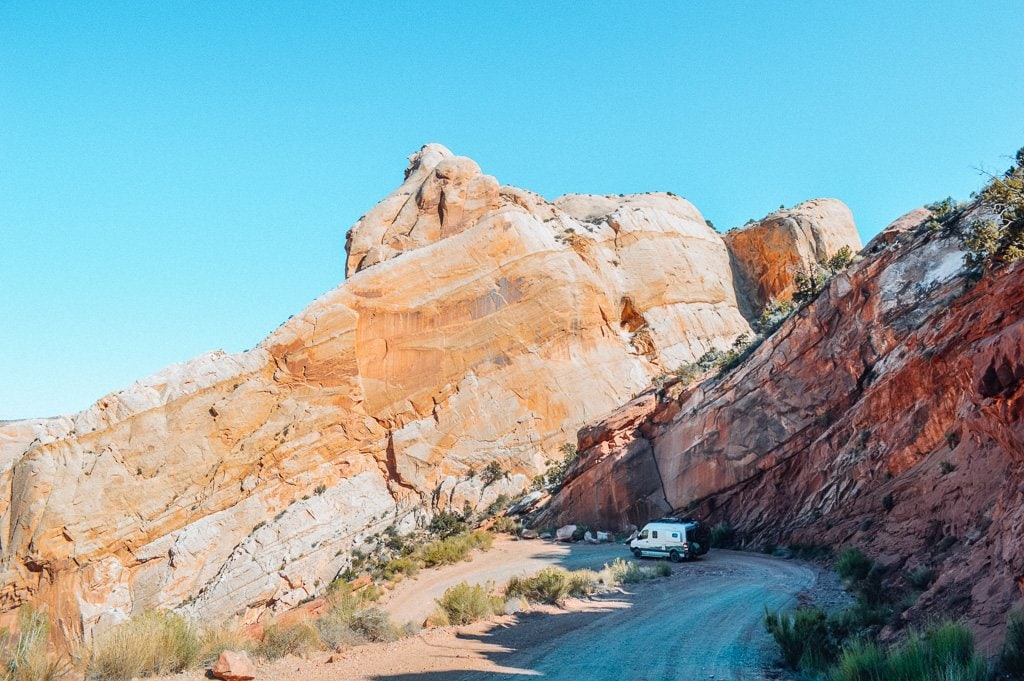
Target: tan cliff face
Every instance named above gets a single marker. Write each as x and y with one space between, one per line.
479 323
885 415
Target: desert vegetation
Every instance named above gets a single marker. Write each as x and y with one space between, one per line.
465 603
845 646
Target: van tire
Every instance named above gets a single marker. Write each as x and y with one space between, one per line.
638 553
674 556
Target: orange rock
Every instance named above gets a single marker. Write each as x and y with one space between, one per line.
478 323
234 666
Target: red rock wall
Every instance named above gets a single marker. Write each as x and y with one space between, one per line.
842 429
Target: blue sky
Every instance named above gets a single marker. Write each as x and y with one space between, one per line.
178 177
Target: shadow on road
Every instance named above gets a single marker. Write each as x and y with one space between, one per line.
513 647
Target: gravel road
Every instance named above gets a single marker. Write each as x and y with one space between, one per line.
702 622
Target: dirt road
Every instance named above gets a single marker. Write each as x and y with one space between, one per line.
703 622
413 599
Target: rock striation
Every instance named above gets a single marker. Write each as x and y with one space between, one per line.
478 323
886 414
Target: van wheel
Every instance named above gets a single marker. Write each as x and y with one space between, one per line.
638 553
674 556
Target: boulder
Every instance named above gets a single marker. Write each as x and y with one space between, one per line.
604 537
233 665
565 533
528 534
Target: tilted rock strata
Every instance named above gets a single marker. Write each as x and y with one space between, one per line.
480 323
887 415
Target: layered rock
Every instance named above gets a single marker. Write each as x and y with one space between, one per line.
886 415
479 323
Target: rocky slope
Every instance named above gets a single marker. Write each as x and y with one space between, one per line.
478 324
886 414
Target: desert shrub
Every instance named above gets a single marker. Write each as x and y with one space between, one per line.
1011 658
335 630
946 467
502 502
839 260
921 578
493 472
147 645
23 655
852 565
374 625
216 639
628 572
862 619
862 661
465 603
446 524
582 583
723 536
550 585
809 280
555 473
1000 240
945 652
406 565
803 637
505 525
775 312
300 638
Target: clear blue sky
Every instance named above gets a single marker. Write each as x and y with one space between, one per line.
178 177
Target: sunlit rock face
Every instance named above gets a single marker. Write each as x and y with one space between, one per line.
478 323
887 415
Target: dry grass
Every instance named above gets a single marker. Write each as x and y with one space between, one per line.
23 655
147 645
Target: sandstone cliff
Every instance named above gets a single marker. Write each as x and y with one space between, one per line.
886 415
478 323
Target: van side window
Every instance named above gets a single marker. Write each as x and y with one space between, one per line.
643 535
675 535
654 534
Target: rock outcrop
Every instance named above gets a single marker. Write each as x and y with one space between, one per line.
886 414
478 324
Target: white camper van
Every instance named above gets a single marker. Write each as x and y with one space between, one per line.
672 538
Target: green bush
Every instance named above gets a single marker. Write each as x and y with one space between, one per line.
147 645
454 549
465 603
406 565
1011 659
802 636
492 473
946 652
852 565
446 524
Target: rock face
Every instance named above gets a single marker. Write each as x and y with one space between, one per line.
479 323
769 253
887 415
